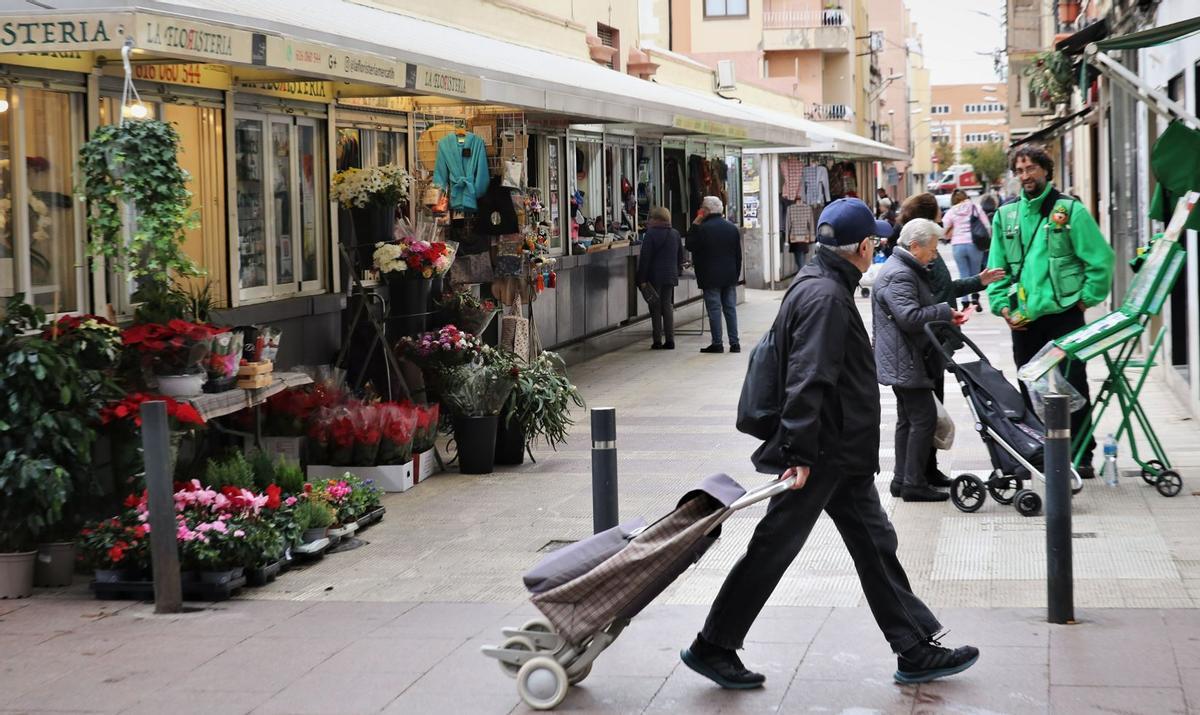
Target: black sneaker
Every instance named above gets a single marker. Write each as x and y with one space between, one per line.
922 494
720 665
669 345
939 479
735 348
896 487
714 348
1087 472
929 661
656 346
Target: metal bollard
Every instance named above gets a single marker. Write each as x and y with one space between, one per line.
160 498
1060 585
604 468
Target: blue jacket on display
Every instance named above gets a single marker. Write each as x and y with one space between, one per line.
462 169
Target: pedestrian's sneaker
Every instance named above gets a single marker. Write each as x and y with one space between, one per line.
929 661
714 348
908 493
720 665
735 348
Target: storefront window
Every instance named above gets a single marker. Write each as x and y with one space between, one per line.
587 172
733 188
279 153
8 278
649 185
553 193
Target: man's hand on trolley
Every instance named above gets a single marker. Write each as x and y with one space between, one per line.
800 473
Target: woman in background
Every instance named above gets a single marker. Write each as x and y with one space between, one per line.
659 266
967 255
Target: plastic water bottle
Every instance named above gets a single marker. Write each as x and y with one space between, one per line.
1110 460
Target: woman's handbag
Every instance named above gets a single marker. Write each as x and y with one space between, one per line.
514 174
649 294
943 434
980 235
514 330
474 268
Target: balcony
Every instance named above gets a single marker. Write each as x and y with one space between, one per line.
829 112
807 29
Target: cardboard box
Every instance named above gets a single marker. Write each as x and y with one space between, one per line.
424 465
255 368
389 477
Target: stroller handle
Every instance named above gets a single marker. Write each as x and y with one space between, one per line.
765 491
954 329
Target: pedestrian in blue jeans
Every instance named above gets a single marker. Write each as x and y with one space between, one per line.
716 247
957 222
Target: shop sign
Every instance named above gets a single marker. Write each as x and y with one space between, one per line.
190 38
709 127
66 61
309 91
190 75
49 33
444 82
286 53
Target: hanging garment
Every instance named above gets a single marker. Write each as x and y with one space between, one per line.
462 170
801 224
793 177
697 169
816 185
496 215
837 187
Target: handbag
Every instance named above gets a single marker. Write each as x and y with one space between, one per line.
474 268
649 294
943 433
513 174
514 330
980 235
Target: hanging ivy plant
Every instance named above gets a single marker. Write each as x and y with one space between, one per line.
136 165
1051 76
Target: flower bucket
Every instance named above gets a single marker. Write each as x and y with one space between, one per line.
409 304
182 385
373 223
55 564
510 443
16 574
476 439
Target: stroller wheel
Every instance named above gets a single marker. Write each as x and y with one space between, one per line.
1028 502
515 643
1003 489
541 625
1169 483
1151 471
967 492
542 683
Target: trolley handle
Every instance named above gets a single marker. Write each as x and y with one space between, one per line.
765 491
953 329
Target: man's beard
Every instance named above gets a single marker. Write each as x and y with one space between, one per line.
1038 188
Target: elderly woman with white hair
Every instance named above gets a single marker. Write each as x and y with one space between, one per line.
902 303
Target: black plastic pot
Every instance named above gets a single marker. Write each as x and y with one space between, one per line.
409 306
510 443
476 439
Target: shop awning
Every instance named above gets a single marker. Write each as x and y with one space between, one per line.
441 60
1058 126
1153 36
1074 44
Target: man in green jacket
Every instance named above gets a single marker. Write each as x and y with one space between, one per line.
1057 266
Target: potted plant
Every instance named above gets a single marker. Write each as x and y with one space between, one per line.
313 518
47 422
435 351
116 549
175 353
475 394
371 196
1051 76
538 408
408 264
467 311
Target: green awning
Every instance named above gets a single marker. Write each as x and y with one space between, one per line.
1151 37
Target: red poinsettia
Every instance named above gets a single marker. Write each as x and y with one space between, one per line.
274 494
129 407
341 430
175 348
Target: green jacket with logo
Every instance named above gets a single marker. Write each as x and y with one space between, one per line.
1058 267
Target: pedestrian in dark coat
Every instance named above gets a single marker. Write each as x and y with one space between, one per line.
659 266
716 247
828 443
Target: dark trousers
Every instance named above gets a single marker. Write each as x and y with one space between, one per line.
1027 343
662 316
939 391
718 301
916 420
853 504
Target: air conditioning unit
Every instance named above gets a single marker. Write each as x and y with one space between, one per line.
724 77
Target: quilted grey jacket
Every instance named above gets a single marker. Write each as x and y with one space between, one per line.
902 302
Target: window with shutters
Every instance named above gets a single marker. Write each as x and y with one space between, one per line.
611 37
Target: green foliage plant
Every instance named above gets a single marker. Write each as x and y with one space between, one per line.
1051 76
289 477
313 514
540 403
231 471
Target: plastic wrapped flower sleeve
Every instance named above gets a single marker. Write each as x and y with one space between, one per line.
341 437
367 434
1051 382
398 423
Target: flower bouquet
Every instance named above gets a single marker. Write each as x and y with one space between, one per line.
367 434
398 422
446 347
318 436
223 360
467 311
340 427
413 258
358 188
95 341
425 433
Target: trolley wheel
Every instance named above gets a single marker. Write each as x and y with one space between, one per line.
1169 483
1003 489
866 292
1150 476
515 643
578 678
541 625
967 492
542 683
1028 502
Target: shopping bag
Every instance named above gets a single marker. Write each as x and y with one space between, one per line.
513 175
649 294
514 330
943 434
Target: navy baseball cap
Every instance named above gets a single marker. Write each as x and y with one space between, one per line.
845 222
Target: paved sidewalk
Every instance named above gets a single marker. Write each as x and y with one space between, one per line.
331 657
396 624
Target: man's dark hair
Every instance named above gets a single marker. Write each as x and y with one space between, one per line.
1035 154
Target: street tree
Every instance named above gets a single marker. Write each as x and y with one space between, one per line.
990 160
943 153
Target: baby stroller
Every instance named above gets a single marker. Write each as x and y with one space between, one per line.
1013 434
589 591
868 279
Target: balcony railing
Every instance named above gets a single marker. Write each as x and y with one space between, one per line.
829 112
795 19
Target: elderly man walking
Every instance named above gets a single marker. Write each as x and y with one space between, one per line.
716 248
828 439
902 303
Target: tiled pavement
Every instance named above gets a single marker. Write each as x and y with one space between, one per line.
395 625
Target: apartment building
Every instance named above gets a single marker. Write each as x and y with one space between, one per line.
966 115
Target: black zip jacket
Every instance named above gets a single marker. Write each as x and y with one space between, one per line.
830 415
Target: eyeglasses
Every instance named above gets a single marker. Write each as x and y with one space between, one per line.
1029 169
